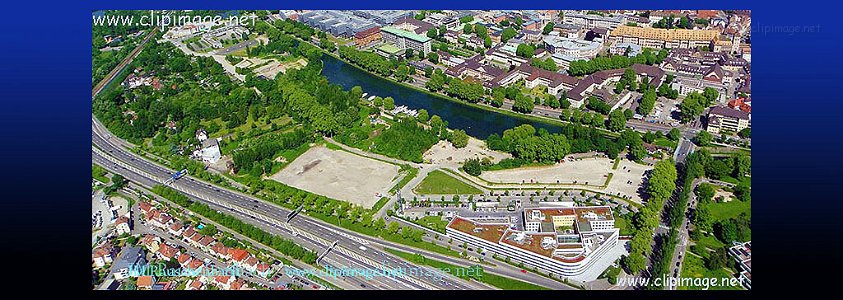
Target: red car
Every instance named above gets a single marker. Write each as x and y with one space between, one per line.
523 271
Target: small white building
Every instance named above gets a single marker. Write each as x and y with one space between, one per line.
210 151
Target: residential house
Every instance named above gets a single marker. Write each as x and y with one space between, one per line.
145 282
121 225
103 255
126 259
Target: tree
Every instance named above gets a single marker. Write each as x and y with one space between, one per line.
674 134
648 101
702 218
745 133
524 50
635 263
743 192
437 125
459 138
548 28
472 167
598 105
481 30
692 106
420 16
433 57
466 29
710 95
497 98
388 103
617 121
356 92
662 182
487 42
379 225
378 102
703 138
717 259
507 34
408 53
523 104
705 192
718 169
423 115
431 33
393 227
209 230
551 101
743 165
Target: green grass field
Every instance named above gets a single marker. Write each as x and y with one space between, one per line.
693 267
439 183
710 242
500 282
728 210
433 222
98 173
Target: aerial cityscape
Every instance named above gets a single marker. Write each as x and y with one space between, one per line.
421 150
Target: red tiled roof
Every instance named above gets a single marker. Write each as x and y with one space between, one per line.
238 254
183 258
144 281
367 32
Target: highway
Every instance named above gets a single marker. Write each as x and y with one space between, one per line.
348 253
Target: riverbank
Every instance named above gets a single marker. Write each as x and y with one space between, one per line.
554 123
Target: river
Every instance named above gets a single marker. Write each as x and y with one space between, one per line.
475 121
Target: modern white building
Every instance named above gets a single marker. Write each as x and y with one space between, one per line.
574 48
406 40
564 241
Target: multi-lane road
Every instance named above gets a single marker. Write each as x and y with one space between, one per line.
348 253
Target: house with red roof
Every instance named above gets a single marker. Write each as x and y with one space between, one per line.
145 282
223 282
238 254
167 252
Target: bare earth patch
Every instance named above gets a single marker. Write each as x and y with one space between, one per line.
593 172
339 175
445 153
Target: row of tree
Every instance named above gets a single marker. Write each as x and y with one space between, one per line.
585 67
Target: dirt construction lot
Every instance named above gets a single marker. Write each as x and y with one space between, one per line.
626 179
339 175
589 171
445 153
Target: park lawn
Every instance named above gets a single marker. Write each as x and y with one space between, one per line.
379 204
624 224
729 210
98 173
433 222
500 282
710 242
694 267
411 173
664 142
439 183
733 180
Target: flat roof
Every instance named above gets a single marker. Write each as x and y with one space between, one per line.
406 34
491 232
389 48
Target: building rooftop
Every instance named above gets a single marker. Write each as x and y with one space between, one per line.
491 232
666 34
728 112
389 48
406 34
